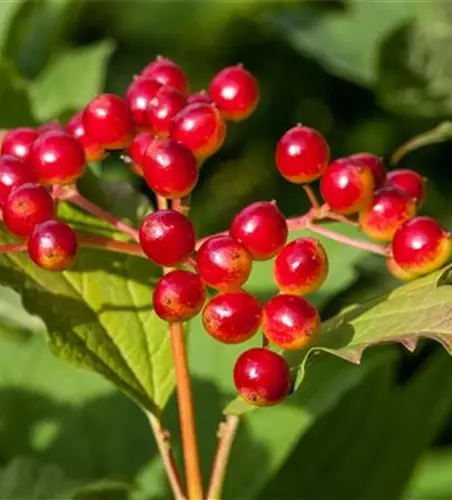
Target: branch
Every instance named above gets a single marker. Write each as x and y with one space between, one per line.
13 247
110 245
186 413
363 245
226 434
72 195
312 197
161 437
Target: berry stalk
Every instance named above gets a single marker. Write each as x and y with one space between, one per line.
186 412
73 196
161 437
226 434
341 238
185 400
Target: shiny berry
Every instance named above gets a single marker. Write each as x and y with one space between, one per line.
17 142
167 237
232 317
347 186
375 163
13 173
179 296
54 126
57 158
137 151
26 207
224 263
199 127
93 150
235 91
108 121
396 271
139 94
201 96
167 72
170 169
261 228
290 322
53 245
409 182
302 155
163 107
389 209
262 377
301 267
421 245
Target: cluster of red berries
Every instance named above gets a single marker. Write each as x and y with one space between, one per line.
166 133
385 203
165 130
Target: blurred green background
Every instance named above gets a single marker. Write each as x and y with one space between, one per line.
369 76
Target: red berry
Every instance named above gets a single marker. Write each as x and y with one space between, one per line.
179 296
396 271
93 150
13 173
137 151
261 228
301 267
108 121
199 127
421 245
139 94
235 91
170 169
409 182
224 263
53 245
57 158
26 207
375 163
167 237
262 377
201 96
347 186
389 209
54 126
302 155
163 107
232 317
17 142
167 72
290 322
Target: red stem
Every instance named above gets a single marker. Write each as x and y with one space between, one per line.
72 195
13 247
363 245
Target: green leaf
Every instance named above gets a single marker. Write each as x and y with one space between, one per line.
378 431
432 478
70 81
345 41
8 11
27 478
99 316
420 309
441 133
415 73
14 320
14 98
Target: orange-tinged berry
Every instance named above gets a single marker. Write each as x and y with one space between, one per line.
389 209
290 322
